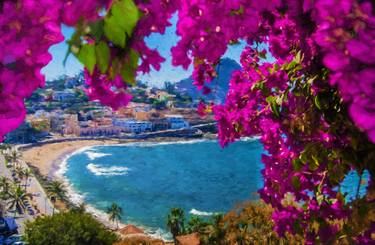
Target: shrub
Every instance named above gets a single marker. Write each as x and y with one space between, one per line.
70 228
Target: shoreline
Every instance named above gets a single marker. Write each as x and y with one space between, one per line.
50 160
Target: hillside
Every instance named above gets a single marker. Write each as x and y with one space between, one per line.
219 85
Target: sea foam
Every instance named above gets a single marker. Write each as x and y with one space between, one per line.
99 170
93 155
200 213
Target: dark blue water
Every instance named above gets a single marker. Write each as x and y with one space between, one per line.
146 180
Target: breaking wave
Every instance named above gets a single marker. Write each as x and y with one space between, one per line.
200 213
99 170
93 155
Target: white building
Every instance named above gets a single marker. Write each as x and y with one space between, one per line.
177 121
133 126
100 131
63 95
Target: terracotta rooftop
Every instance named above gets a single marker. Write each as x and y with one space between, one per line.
191 239
131 229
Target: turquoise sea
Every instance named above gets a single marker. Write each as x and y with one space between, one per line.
147 179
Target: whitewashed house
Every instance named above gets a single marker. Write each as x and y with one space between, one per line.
177 121
133 126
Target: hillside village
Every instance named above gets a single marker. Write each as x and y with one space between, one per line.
62 109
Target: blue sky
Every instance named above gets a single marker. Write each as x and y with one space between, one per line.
162 43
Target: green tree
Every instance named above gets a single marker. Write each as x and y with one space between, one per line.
81 208
4 147
20 171
16 199
114 212
27 173
56 191
249 223
216 231
175 222
2 209
14 157
195 224
5 185
68 228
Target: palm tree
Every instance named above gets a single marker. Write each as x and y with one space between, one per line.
14 156
56 190
17 198
27 173
217 231
81 208
114 212
4 147
2 210
5 187
195 224
175 222
20 171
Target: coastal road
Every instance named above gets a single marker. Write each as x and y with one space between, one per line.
20 219
39 196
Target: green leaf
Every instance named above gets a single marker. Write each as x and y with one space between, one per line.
114 70
87 56
276 67
317 102
295 182
272 101
297 164
311 80
74 41
129 14
298 58
290 65
122 19
128 74
319 198
102 56
275 109
114 32
237 11
314 164
259 85
97 29
133 58
129 67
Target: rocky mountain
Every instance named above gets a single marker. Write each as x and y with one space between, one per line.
219 85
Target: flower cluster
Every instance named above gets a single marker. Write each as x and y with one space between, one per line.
81 10
28 29
108 92
156 16
126 57
346 34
